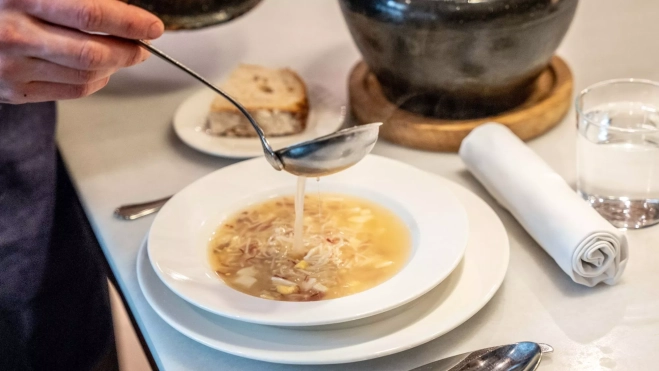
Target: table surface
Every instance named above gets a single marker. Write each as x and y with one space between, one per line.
120 148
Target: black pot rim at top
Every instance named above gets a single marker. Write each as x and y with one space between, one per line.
424 12
194 14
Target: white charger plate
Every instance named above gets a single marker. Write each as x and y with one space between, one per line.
178 240
326 115
450 304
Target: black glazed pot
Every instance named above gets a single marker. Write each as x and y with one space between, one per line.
457 59
193 14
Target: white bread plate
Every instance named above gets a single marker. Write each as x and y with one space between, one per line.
326 115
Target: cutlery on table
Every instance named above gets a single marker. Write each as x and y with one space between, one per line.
523 356
136 211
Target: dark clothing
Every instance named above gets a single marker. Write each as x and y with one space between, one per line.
54 305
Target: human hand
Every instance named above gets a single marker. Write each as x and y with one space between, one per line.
44 56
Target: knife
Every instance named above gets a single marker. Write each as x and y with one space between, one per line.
523 356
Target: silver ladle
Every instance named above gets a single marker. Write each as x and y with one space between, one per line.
318 157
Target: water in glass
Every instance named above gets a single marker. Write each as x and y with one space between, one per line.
618 162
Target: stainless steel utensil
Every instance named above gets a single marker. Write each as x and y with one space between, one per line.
336 151
136 211
524 356
322 156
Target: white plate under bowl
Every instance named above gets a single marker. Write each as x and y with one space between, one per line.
178 240
326 115
471 285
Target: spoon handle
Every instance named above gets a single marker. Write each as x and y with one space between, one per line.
135 211
272 157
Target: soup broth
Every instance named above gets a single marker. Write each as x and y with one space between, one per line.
348 245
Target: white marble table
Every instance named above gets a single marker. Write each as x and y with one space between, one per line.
119 147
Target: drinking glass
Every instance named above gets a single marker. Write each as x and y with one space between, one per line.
618 151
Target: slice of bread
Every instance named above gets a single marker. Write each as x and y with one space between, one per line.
276 98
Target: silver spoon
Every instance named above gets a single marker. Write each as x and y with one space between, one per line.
136 211
524 356
322 156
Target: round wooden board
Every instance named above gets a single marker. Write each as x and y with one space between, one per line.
544 109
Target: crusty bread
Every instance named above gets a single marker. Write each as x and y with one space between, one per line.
276 98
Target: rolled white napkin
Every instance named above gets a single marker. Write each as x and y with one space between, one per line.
585 245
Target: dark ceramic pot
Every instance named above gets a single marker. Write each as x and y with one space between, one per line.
457 59
193 14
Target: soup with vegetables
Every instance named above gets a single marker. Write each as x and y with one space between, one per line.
347 245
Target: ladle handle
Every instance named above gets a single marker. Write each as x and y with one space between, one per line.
157 52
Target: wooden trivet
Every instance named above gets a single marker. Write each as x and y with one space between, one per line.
545 107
